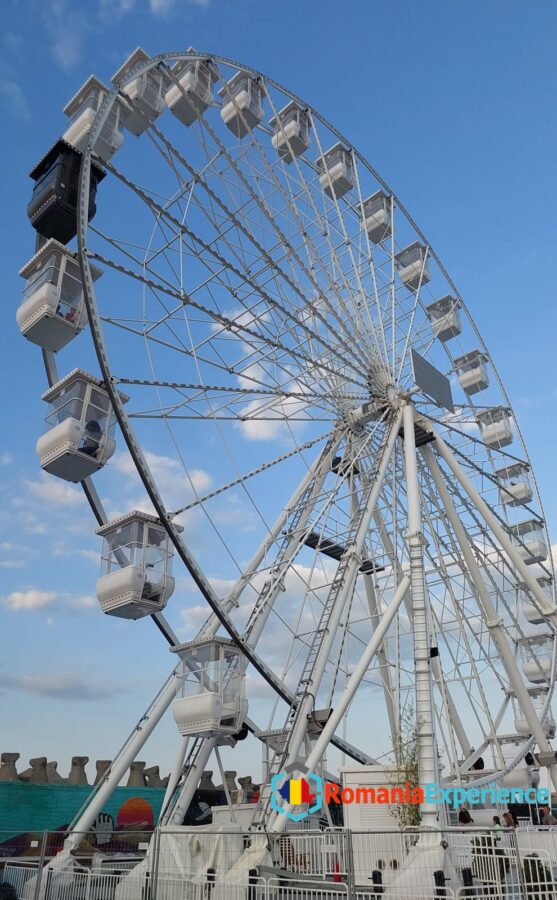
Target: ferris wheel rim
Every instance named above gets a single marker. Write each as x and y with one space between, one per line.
200 55
82 231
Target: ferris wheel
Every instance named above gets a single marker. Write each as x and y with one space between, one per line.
323 442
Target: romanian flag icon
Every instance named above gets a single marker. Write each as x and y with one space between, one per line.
296 791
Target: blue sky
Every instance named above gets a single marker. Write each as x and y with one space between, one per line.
452 103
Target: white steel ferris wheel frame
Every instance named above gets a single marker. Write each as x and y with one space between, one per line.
402 414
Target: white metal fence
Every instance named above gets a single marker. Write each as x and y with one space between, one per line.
299 865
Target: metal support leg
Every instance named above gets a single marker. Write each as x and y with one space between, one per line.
427 752
122 762
305 706
372 650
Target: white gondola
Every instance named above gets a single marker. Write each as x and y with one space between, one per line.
377 217
444 318
52 311
79 438
471 370
495 426
242 99
210 701
136 577
412 266
538 697
336 171
146 93
516 485
82 109
529 540
193 93
290 131
530 609
537 655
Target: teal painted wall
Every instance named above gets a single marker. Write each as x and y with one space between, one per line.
38 807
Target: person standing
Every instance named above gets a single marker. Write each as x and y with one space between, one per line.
508 820
547 817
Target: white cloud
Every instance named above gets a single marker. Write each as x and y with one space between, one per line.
53 490
111 11
32 599
175 484
15 101
12 564
273 422
91 555
166 7
65 28
194 617
6 458
234 512
86 601
35 599
257 687
63 687
31 522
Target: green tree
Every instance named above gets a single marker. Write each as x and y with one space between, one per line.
406 767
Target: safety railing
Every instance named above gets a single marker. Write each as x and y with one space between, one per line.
295 865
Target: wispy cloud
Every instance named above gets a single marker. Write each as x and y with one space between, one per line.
85 601
111 11
63 687
6 458
14 101
176 485
53 490
166 7
65 28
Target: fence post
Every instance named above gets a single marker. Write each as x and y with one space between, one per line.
42 857
468 882
155 866
349 864
439 880
88 888
377 882
519 869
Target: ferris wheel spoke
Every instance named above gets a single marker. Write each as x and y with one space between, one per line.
259 199
236 326
231 395
271 306
270 262
489 613
355 304
404 354
369 262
